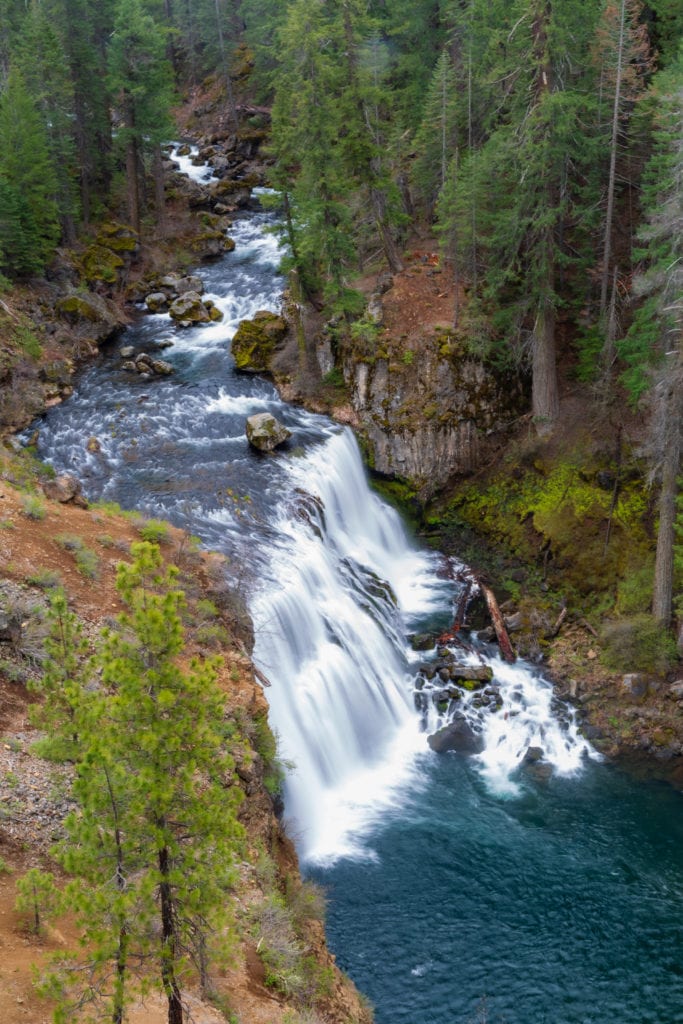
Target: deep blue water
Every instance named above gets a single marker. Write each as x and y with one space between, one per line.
561 906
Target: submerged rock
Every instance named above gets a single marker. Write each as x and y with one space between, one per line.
458 735
265 433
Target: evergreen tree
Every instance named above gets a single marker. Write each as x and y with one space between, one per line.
155 835
623 58
653 348
515 210
41 57
436 138
63 686
140 77
307 128
29 227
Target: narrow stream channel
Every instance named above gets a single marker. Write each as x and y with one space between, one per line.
460 889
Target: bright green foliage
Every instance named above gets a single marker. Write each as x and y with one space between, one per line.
37 898
63 686
564 511
28 209
155 836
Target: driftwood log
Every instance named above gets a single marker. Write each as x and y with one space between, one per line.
506 648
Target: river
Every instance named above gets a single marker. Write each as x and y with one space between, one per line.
460 889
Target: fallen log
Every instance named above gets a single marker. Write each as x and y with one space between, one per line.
506 648
558 624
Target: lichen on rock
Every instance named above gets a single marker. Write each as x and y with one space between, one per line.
256 340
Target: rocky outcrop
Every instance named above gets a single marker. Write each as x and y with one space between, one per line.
65 489
458 735
147 366
429 414
93 318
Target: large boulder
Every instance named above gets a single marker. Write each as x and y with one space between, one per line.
156 301
264 432
65 488
93 317
189 308
458 735
255 341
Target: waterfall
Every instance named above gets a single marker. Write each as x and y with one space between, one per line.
330 621
336 584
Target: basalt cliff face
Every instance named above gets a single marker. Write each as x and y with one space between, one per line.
429 418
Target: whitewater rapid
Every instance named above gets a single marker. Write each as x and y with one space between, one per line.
334 584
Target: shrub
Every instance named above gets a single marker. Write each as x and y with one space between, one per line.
86 560
637 643
335 378
155 531
37 898
32 507
46 579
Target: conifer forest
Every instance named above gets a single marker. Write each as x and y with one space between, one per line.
341 511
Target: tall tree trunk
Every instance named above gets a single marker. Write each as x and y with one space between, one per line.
83 156
545 402
664 562
119 994
373 169
159 192
169 942
233 119
132 163
609 216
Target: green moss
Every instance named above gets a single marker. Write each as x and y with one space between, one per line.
101 264
555 516
79 307
255 341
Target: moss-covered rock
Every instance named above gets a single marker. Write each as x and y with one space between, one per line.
94 318
256 340
189 308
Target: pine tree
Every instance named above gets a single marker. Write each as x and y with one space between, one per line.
514 210
155 835
63 685
41 57
624 58
307 126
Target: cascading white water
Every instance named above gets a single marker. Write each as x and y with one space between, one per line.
340 583
330 636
